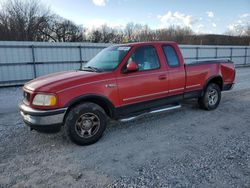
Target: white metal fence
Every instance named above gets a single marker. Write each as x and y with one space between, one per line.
23 61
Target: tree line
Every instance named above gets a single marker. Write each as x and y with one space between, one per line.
32 21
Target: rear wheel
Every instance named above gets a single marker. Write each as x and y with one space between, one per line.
211 97
85 123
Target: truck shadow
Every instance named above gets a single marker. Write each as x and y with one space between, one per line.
151 118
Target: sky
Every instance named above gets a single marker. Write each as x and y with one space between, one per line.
202 16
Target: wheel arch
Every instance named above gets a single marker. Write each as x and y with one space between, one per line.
100 100
214 79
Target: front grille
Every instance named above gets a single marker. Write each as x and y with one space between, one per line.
26 97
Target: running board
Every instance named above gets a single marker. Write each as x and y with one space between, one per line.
151 112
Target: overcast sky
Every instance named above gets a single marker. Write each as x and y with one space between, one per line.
203 16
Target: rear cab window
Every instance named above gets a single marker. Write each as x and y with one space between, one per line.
171 56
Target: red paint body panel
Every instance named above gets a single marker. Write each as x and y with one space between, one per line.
130 88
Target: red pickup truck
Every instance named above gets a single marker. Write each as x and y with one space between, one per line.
122 82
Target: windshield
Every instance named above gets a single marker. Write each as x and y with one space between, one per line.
108 59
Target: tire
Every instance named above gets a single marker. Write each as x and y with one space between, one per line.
85 123
211 97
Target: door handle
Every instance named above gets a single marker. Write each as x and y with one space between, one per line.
162 77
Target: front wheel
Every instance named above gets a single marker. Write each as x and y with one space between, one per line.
85 123
211 97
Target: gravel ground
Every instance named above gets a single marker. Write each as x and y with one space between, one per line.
187 147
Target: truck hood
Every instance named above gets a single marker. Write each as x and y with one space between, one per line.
56 82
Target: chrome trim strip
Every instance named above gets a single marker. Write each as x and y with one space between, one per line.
132 98
177 89
191 86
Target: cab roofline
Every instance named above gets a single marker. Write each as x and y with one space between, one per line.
144 43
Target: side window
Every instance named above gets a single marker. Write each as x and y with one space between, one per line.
171 56
146 58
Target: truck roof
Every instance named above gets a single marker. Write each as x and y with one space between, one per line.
148 43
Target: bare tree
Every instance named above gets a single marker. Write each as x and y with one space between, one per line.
96 36
29 20
106 34
129 29
177 34
59 29
22 20
144 33
248 30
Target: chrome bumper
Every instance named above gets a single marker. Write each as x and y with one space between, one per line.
35 117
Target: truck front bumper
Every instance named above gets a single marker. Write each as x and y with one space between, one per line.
42 118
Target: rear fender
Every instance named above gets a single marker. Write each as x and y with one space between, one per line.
217 79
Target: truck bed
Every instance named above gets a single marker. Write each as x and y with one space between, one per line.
200 71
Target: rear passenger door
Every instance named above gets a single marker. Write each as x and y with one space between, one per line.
176 71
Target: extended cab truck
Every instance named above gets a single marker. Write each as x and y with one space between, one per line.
122 82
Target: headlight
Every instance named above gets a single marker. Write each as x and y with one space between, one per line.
44 100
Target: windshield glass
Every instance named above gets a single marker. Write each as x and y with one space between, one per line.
108 59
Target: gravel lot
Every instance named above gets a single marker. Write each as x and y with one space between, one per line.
182 148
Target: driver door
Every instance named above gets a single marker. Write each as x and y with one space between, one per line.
148 83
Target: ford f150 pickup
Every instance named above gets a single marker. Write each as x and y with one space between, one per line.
122 82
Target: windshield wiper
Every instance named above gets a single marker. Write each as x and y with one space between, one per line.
90 68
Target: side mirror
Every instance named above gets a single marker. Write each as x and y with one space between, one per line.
132 67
